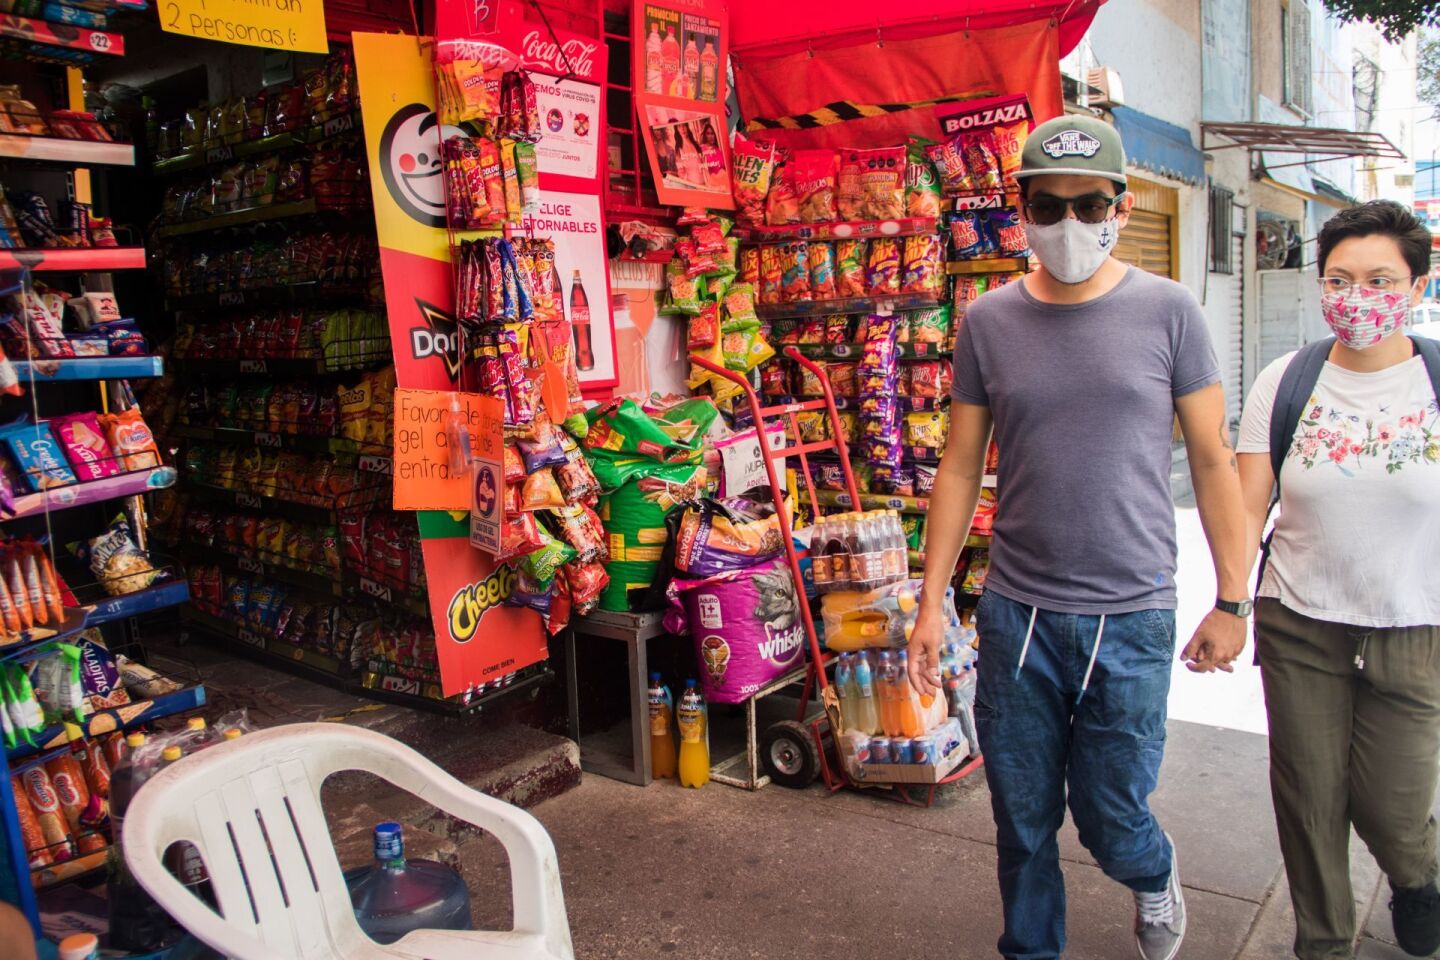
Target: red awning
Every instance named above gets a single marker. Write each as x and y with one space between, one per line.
764 28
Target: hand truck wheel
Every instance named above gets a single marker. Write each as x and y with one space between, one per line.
789 754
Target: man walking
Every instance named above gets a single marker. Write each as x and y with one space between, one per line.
1081 369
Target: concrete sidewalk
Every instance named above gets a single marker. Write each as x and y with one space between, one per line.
721 874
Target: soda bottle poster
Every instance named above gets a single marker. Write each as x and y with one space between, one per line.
572 221
680 49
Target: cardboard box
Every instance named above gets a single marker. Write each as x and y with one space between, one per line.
911 772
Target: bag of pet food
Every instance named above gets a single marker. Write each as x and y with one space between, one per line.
746 628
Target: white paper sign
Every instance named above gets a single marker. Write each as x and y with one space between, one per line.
742 465
570 117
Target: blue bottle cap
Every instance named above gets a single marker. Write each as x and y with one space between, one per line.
655 676
690 682
389 841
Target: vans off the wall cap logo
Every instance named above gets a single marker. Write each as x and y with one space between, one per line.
1071 143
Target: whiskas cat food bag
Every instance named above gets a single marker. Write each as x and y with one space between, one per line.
746 627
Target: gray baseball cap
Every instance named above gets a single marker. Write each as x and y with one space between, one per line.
1077 146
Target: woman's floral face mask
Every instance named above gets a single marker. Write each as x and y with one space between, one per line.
1361 317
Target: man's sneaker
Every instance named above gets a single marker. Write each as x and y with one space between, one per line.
1160 917
1415 912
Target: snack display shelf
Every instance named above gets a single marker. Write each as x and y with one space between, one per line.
411 603
853 351
256 643
112 719
840 230
82 259
77 620
917 557
911 404
83 153
292 509
239 218
89 368
872 501
310 292
274 366
409 693
94 491
324 584
821 308
67 36
1002 265
226 152
169 593
256 438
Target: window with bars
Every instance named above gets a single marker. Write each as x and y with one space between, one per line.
1295 53
1222 225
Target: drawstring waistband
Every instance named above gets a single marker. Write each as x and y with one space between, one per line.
1094 652
1360 651
1025 647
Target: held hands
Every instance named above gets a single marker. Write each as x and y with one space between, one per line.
1218 640
924 652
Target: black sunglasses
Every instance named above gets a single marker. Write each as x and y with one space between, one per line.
1046 210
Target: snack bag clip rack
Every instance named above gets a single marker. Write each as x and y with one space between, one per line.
794 752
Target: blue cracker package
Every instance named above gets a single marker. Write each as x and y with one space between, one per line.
970 235
38 454
1007 230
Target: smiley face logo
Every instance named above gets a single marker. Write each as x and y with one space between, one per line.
411 164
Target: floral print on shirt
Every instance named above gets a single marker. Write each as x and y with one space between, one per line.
1331 437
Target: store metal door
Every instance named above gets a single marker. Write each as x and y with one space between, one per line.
1280 309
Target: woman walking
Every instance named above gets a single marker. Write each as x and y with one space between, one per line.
1349 601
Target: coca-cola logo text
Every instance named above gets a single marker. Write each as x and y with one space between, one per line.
574 55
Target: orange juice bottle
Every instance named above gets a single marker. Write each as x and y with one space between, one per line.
907 701
662 730
694 738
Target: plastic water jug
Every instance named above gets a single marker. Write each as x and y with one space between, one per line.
394 896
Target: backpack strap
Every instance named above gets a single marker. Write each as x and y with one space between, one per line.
1296 386
1430 350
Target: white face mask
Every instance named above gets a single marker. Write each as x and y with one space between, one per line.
1071 251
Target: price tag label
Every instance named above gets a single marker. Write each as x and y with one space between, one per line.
251 566
373 464
841 350
219 154
339 125
396 684
268 440
253 366
247 500
920 349
249 637
231 298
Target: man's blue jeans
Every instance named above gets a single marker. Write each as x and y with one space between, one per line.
1040 733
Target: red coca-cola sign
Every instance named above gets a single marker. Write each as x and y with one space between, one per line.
574 55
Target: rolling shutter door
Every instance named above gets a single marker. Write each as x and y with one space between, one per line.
1145 242
1280 306
1235 332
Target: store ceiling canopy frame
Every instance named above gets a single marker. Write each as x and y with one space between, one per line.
1318 143
762 29
864 83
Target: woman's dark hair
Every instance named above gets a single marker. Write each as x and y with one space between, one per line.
707 135
1383 217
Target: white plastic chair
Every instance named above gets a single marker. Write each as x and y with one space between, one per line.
287 900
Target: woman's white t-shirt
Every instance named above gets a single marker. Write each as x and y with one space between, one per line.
1357 540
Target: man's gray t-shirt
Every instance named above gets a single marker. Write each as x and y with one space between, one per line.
1083 398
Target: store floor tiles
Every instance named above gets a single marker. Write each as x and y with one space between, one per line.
720 873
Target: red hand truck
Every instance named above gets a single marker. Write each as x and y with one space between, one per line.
797 749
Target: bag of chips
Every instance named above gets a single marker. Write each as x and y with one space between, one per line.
1007 228
930 326
872 184
822 270
922 185
782 204
949 161
770 274
752 168
882 272
970 235
794 271
925 429
982 161
814 174
850 263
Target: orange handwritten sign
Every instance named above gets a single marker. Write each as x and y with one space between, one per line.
423 479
